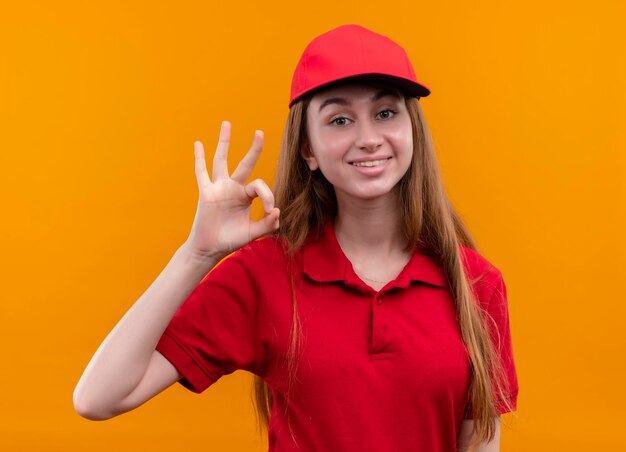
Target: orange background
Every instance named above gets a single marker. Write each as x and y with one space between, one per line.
100 103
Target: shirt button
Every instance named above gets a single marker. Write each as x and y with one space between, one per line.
380 300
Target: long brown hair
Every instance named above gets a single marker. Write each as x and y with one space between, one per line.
307 200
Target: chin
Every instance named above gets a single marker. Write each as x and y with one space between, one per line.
372 194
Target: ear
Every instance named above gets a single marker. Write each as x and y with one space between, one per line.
308 156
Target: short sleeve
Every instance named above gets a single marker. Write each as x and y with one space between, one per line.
213 332
500 331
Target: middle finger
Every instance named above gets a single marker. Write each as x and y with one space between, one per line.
245 167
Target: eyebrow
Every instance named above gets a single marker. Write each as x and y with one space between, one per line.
343 101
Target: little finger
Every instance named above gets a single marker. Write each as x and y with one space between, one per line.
202 176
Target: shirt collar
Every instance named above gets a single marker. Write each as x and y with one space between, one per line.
325 261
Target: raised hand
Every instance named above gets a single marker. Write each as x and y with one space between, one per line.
222 223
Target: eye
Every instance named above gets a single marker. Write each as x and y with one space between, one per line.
386 114
339 121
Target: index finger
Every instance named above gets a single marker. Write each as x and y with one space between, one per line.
245 167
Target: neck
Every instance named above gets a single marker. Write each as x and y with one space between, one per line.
369 228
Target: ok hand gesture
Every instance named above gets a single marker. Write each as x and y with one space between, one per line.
222 223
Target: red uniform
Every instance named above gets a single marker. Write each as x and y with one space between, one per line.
379 371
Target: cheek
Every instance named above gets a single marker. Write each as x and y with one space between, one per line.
406 135
329 147
403 142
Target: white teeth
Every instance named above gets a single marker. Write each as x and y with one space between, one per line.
372 163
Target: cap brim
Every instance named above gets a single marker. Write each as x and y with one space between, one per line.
409 87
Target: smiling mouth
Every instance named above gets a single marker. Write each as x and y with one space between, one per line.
370 163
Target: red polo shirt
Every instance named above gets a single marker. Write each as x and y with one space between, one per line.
379 371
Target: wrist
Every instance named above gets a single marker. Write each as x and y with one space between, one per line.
195 257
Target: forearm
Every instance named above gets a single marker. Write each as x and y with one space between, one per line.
120 362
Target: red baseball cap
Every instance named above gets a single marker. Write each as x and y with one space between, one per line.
353 52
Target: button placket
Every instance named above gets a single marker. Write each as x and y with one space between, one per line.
380 327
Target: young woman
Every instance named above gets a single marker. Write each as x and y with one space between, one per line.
364 309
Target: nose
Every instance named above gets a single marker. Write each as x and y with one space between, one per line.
368 136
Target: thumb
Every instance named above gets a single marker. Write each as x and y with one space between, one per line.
266 225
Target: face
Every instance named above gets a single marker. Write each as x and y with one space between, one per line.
360 138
